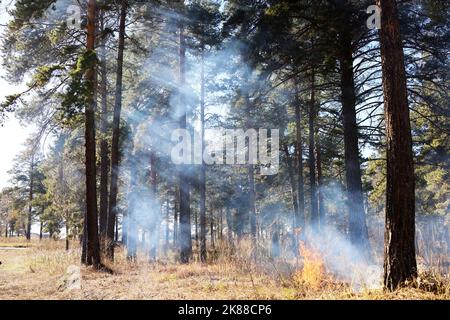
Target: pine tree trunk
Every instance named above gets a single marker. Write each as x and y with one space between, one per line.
355 203
93 247
67 236
132 232
211 229
293 185
300 218
399 258
185 240
104 159
312 158
154 227
115 147
202 169
176 211
322 222
252 201
167 242
30 199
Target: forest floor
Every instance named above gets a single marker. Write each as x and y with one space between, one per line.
44 270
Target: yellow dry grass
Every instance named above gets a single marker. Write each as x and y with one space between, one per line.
39 271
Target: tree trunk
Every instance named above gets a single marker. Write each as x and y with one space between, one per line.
115 152
355 202
93 247
166 247
229 227
211 229
40 229
124 228
399 257
67 236
185 210
154 221
322 223
176 210
202 169
30 199
300 218
312 158
293 186
116 236
252 201
132 232
104 159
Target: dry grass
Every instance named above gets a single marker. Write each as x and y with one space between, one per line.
40 272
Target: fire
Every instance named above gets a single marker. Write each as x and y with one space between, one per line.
313 270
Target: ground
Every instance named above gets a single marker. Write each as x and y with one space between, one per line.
44 270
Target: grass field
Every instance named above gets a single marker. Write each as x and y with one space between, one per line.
44 270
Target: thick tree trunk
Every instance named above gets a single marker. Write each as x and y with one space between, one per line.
115 147
104 159
185 210
202 169
399 258
355 203
300 218
312 158
93 247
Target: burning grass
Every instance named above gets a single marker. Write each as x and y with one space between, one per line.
41 272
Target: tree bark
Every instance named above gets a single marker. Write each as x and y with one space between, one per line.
132 232
211 229
176 210
93 247
229 219
202 169
104 158
293 186
67 236
115 152
322 223
399 257
300 218
154 227
312 158
30 199
355 202
185 210
252 201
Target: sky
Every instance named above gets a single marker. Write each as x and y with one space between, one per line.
12 134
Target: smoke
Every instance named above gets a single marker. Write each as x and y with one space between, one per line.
346 261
